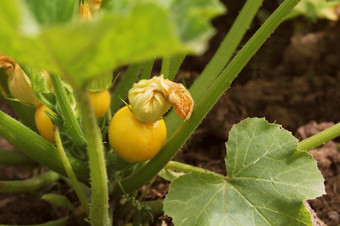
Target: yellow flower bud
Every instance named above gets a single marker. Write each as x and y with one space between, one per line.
147 101
18 82
151 99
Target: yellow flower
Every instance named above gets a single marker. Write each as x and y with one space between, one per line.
18 82
151 99
147 100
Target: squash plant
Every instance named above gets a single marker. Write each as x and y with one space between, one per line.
270 173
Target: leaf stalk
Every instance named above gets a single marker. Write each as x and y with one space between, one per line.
70 173
99 190
320 138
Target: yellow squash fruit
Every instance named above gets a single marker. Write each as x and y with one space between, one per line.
100 102
44 123
133 140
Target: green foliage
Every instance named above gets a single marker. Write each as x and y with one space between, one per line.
53 12
268 180
314 9
126 32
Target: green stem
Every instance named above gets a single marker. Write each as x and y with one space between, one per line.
38 148
65 108
58 200
59 222
140 198
165 66
128 209
29 185
147 69
70 173
320 138
171 65
220 58
175 64
99 189
182 167
121 91
221 84
14 158
186 168
156 206
227 48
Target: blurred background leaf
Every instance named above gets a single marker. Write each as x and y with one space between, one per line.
123 33
314 9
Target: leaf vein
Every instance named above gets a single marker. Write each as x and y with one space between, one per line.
250 203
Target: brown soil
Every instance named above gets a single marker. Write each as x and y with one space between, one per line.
328 159
293 80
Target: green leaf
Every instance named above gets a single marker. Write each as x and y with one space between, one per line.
38 81
126 32
268 180
52 12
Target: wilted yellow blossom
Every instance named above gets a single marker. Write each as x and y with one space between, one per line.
18 82
84 12
147 100
94 5
151 99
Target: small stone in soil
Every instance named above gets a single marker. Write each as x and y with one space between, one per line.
333 216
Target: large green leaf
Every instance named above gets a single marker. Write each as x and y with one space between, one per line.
268 180
125 32
52 12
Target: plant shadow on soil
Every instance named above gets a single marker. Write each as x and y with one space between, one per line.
293 80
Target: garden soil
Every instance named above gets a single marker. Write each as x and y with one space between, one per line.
294 80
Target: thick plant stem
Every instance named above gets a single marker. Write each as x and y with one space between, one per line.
29 185
37 148
165 66
70 173
320 138
222 83
220 58
64 105
147 69
14 158
95 148
121 91
59 222
227 48
175 64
